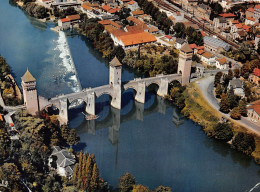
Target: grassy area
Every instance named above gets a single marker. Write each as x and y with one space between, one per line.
200 111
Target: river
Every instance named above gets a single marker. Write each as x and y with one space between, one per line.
154 142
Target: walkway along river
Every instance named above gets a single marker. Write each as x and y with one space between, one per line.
141 139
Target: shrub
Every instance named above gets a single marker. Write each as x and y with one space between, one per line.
244 142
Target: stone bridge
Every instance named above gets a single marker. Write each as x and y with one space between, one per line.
114 89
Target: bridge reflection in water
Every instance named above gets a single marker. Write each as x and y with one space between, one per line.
113 118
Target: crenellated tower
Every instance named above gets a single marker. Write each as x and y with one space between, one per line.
30 93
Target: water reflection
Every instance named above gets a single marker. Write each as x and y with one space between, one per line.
113 118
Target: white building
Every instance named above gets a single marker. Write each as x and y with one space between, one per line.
237 86
179 43
208 59
132 5
221 63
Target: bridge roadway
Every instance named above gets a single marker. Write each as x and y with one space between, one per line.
89 95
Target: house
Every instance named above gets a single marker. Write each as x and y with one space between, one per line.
64 4
250 12
215 45
137 12
255 76
221 63
132 5
257 12
229 17
168 37
208 58
253 111
62 161
237 86
220 22
68 22
179 43
138 22
132 38
250 21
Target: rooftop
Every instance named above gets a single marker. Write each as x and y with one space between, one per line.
227 15
115 62
186 48
214 42
207 55
27 77
256 72
222 61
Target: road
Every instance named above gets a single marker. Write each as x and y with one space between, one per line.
206 86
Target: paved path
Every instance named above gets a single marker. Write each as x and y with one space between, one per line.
206 86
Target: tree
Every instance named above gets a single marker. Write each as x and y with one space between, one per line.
258 48
232 99
236 73
219 90
217 78
126 182
162 189
230 74
179 29
235 113
140 188
94 183
73 138
244 142
242 108
223 131
224 104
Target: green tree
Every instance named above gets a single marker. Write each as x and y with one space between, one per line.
73 138
230 74
217 78
219 90
224 104
236 73
223 131
235 113
126 182
162 189
140 188
244 142
242 108
232 99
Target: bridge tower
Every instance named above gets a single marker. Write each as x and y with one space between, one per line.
30 93
184 65
115 73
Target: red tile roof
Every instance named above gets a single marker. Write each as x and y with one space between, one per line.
203 33
239 26
131 2
193 46
138 12
222 61
86 7
73 17
65 20
106 7
227 15
207 55
137 38
235 22
200 47
178 13
168 36
257 72
257 6
251 9
200 52
114 10
255 106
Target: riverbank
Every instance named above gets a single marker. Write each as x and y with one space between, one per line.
201 112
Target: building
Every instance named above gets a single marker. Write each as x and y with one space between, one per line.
257 12
132 5
255 76
253 111
63 161
250 12
30 93
185 61
68 22
115 72
257 38
237 86
179 43
220 22
208 58
221 63
250 21
215 45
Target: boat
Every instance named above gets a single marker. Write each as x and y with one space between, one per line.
90 117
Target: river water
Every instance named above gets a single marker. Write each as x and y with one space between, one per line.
154 142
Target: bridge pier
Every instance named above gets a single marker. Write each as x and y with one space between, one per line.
140 93
64 111
116 97
90 104
163 88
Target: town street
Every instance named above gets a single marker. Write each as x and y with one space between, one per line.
206 86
